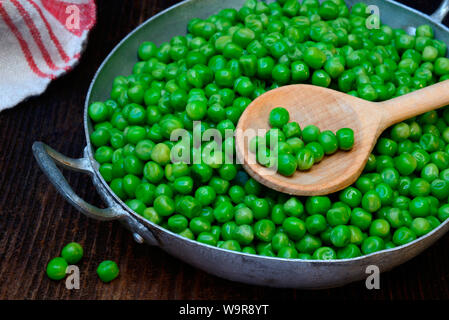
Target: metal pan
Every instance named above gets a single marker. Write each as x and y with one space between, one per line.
236 266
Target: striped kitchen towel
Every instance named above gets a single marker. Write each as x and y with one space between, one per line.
39 41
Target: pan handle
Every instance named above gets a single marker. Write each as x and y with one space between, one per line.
47 158
441 12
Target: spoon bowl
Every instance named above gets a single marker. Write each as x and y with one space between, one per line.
329 110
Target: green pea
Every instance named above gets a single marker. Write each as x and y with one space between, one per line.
264 230
310 133
324 253
224 212
244 215
287 253
293 207
56 268
107 271
305 159
187 206
206 238
100 137
205 195
315 224
348 252
314 57
403 235
177 223
291 130
295 228
308 244
328 141
379 228
287 164
98 111
420 226
299 71
164 205
345 139
278 117
72 252
371 201
340 236
260 208
372 244
351 196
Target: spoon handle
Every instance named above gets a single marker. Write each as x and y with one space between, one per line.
415 103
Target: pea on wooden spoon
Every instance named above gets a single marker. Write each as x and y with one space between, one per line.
329 110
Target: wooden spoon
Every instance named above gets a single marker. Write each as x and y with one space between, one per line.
329 110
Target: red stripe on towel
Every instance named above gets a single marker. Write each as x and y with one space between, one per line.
35 34
24 46
53 37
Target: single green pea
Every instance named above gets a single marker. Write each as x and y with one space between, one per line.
98 111
348 252
316 224
305 159
314 57
287 164
164 205
379 228
308 244
56 268
345 139
264 230
160 154
318 205
278 117
351 196
287 253
107 271
205 195
324 253
293 207
260 208
328 141
340 236
299 71
294 227
206 238
279 241
403 235
177 223
337 216
371 201
310 133
372 244
443 212
244 215
72 252
291 130
199 224
224 212
420 226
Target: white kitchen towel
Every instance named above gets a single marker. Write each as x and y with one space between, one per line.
39 41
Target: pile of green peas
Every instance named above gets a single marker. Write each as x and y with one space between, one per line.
214 72
283 149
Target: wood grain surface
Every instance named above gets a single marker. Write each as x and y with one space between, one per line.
36 222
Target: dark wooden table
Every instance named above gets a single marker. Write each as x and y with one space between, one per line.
36 222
